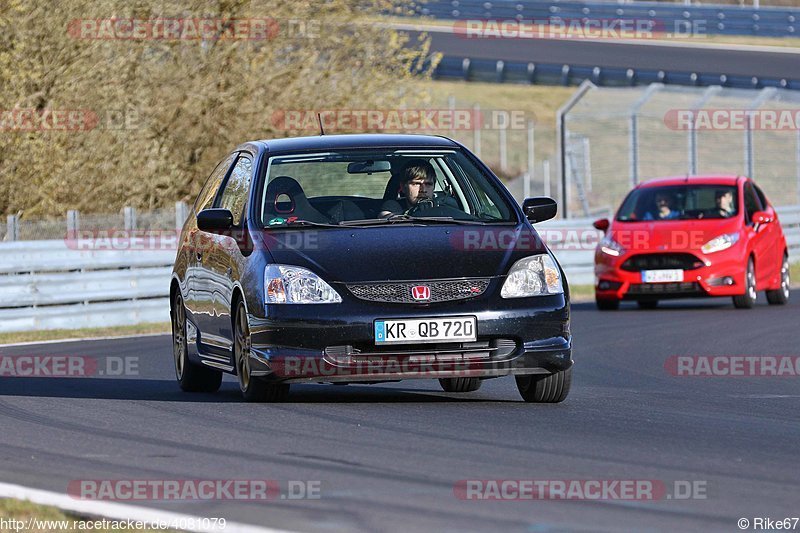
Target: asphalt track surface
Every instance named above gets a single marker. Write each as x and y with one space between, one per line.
735 61
388 455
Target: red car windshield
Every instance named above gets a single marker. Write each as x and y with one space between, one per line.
679 202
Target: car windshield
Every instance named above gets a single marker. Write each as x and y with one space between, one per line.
681 202
360 188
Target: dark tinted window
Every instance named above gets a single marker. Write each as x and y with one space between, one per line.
206 197
751 203
234 196
679 202
761 196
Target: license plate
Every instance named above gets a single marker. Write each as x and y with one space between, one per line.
662 276
421 330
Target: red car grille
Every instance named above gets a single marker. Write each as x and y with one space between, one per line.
641 262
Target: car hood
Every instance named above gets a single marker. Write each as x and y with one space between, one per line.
672 235
401 252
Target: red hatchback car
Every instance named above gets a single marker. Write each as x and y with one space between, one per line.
686 237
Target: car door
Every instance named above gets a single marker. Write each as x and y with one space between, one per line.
199 303
221 263
757 234
773 235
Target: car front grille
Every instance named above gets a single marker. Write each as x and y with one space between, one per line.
401 292
493 349
641 262
664 288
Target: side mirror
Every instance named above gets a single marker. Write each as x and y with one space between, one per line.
762 217
214 220
539 209
602 224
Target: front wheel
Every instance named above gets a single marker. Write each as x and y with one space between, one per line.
253 389
748 299
607 304
191 377
460 384
551 388
781 295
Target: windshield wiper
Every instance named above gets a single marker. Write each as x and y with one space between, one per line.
400 218
301 223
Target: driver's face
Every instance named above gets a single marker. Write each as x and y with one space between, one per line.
418 189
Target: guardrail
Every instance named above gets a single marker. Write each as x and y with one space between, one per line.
499 71
709 19
54 284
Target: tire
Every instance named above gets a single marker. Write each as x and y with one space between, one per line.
191 376
253 389
607 305
781 296
748 299
460 384
552 388
647 304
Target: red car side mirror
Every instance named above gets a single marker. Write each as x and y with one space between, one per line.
762 217
602 224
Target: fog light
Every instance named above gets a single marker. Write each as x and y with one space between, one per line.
727 280
603 285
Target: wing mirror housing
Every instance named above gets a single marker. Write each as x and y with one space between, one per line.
214 220
539 208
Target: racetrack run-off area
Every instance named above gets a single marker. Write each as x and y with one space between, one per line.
395 456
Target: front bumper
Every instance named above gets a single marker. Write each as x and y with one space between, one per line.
336 344
722 274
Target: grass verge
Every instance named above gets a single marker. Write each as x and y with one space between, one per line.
57 334
46 519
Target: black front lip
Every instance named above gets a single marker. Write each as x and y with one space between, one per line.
291 338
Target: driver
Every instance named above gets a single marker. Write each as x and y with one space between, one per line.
417 181
724 201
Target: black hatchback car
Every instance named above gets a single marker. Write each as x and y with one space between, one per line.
363 259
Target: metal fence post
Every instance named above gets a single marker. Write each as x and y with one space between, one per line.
12 228
529 176
181 214
749 156
477 122
546 176
701 102
73 222
561 139
129 217
502 139
451 105
633 131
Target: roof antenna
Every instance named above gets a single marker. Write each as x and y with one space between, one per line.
321 129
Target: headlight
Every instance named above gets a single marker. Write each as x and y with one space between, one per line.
285 284
723 242
532 276
611 247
